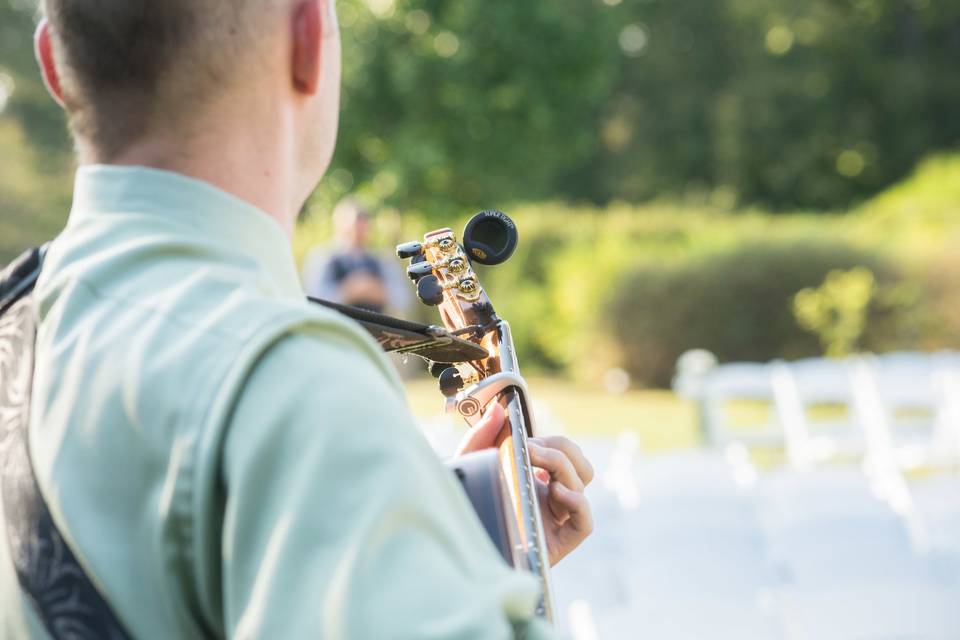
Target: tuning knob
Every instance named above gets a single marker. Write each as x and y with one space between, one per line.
409 250
457 265
450 382
429 290
418 270
437 368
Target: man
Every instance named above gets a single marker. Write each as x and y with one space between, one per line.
350 272
224 459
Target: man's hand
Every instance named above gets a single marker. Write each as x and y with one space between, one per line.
561 472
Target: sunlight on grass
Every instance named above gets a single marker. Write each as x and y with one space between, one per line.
662 420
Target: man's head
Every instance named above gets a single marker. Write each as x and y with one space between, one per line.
351 222
127 70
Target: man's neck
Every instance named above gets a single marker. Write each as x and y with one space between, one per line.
240 165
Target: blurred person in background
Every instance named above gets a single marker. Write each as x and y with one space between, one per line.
351 272
220 457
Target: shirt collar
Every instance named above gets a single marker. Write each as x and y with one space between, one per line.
104 190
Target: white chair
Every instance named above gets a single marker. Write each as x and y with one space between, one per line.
813 398
919 395
729 383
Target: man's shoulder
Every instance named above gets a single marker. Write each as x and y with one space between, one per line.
204 327
311 337
192 300
247 326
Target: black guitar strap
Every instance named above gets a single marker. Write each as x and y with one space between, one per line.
67 602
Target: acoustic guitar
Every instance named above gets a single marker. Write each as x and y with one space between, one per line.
500 481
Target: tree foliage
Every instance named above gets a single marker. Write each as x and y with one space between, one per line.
772 102
457 104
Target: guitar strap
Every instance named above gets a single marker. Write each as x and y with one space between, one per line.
65 599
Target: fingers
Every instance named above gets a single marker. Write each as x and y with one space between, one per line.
563 504
574 524
576 508
555 505
483 435
556 463
573 452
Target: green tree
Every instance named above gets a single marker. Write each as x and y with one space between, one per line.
466 103
813 104
457 104
35 158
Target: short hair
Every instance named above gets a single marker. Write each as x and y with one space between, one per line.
125 64
349 210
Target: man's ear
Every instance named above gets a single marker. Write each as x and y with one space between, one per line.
307 40
43 48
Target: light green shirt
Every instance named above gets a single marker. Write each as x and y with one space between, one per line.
226 459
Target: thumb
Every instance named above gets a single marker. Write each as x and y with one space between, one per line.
484 434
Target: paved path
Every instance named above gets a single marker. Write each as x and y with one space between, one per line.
695 545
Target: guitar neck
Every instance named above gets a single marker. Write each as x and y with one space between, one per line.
516 465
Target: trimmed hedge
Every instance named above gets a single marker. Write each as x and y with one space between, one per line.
636 285
736 304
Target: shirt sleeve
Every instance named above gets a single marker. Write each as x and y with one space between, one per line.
341 522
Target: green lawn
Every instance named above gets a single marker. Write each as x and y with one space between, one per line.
662 420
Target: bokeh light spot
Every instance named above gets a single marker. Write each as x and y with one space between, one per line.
633 39
850 163
341 179
385 183
779 40
446 44
381 8
418 22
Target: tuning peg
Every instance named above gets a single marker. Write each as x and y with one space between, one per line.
436 368
490 237
418 270
429 290
409 250
450 382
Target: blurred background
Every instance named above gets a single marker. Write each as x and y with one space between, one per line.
769 182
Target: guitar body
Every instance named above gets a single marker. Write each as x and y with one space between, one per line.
481 474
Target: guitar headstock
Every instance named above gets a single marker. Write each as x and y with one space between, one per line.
442 269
